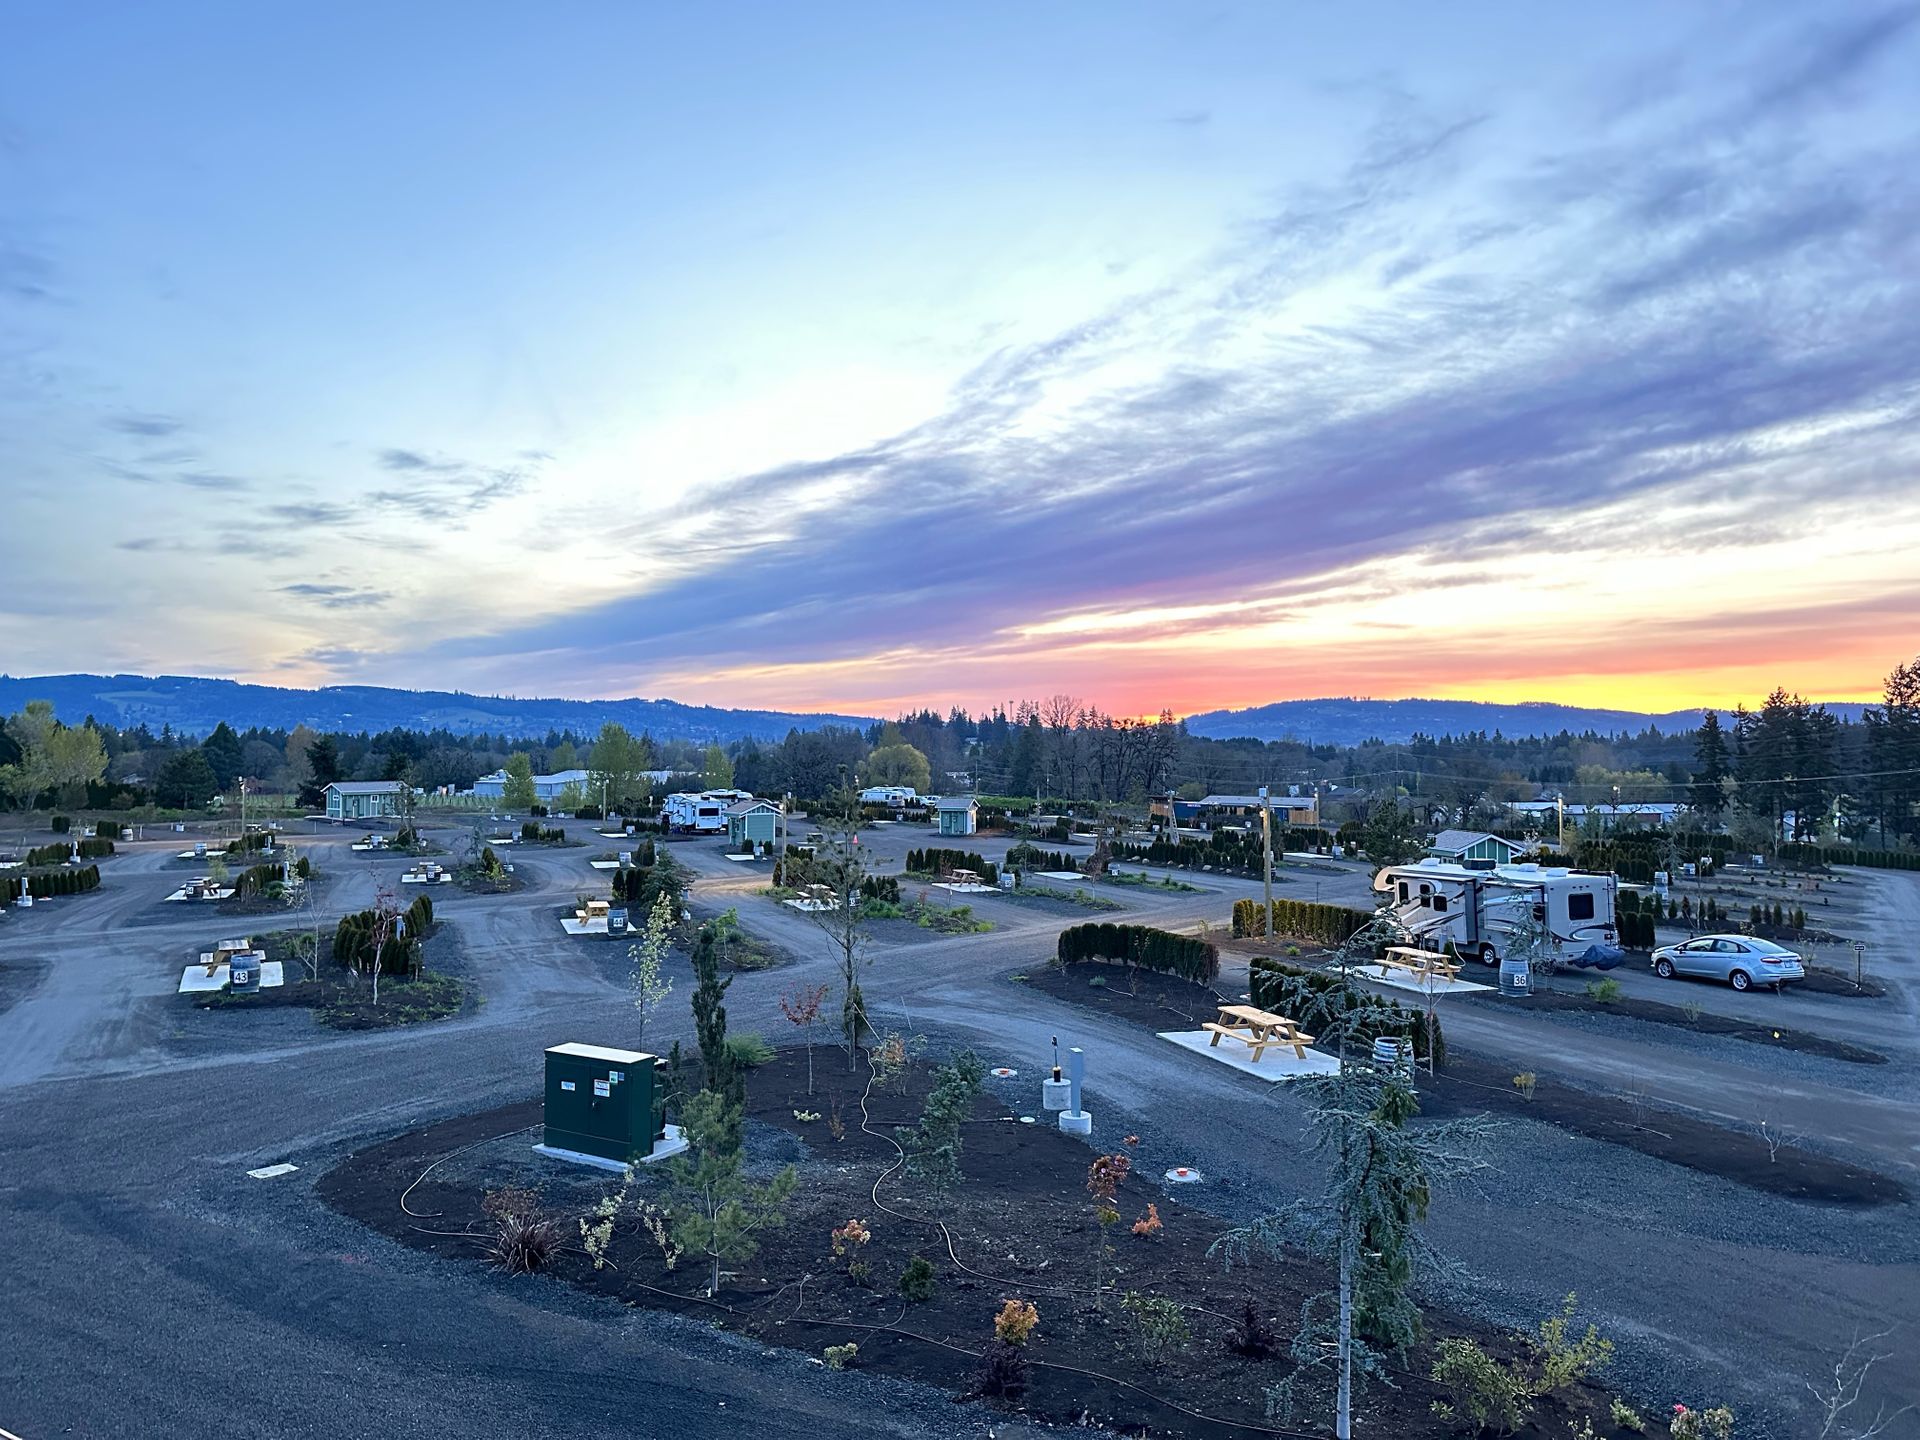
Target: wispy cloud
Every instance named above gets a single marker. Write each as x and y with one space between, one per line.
1684 318
337 597
151 425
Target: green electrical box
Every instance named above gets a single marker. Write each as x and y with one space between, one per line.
609 1103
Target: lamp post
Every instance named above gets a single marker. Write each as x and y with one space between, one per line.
1266 868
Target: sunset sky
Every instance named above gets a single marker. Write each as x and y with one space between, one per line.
847 356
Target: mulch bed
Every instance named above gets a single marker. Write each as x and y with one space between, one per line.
1551 1002
1020 1225
1158 1002
1469 1085
1824 981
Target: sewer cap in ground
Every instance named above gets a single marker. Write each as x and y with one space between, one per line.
1183 1175
1026 1119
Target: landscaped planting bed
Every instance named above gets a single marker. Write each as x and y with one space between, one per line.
342 1001
1130 1330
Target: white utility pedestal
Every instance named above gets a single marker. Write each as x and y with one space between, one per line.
1075 1119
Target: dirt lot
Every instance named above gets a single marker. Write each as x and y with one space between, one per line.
1019 1226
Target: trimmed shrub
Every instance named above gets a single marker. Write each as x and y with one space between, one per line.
61 825
1140 947
110 830
49 855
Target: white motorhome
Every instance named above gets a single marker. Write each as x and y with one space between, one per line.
701 813
897 797
1482 909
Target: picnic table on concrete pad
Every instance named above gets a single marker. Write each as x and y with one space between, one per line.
1427 964
1258 1029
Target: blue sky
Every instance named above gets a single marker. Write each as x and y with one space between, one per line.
852 355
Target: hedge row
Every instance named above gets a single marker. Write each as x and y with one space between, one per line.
1140 946
881 887
939 862
1031 857
50 883
1276 986
1302 919
639 888
110 830
95 849
50 854
1799 854
353 939
251 841
532 832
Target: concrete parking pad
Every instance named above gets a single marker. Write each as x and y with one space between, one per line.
1279 1062
1420 985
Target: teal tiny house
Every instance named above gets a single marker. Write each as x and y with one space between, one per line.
753 822
607 1103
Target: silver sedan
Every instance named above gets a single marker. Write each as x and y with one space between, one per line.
1743 961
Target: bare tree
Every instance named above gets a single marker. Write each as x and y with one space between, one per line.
1839 1397
839 867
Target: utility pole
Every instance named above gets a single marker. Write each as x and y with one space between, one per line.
1266 846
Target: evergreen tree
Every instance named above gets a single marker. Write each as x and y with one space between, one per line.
1893 755
1712 768
323 768
185 782
724 1077
222 749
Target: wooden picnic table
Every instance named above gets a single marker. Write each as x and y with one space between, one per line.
1428 964
1258 1029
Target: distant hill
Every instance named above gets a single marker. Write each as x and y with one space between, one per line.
1349 722
194 706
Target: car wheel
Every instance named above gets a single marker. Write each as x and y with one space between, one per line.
1487 956
1663 967
1740 980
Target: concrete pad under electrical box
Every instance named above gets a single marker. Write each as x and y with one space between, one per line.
604 864
198 979
1395 979
1278 1063
674 1144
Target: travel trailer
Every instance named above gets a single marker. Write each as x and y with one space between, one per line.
704 813
1484 910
